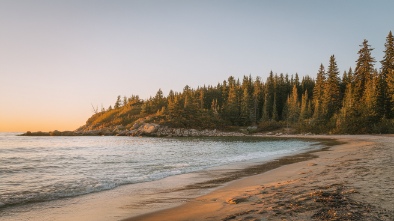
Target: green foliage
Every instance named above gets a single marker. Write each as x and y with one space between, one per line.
331 102
360 102
293 106
387 78
364 70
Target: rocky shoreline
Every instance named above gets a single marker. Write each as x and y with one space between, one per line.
143 129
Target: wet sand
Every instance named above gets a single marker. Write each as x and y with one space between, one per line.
350 181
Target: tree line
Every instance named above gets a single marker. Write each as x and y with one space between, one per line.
361 100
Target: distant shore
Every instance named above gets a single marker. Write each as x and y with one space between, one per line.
144 129
350 181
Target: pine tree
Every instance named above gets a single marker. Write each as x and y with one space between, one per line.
318 92
175 111
275 115
245 108
381 95
269 91
364 70
232 107
202 98
305 111
158 102
117 103
390 89
281 93
386 71
125 101
265 116
370 110
347 117
344 82
350 76
331 97
293 107
257 100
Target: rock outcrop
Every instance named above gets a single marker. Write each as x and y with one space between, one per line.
139 129
156 130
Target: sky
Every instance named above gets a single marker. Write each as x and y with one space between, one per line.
58 58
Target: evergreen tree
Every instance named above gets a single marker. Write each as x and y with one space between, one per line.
307 84
158 102
281 94
318 92
224 91
275 115
269 91
257 100
305 111
245 108
175 109
364 70
125 101
381 95
370 110
265 116
390 89
215 106
201 98
331 97
171 96
346 122
344 82
293 108
298 85
360 102
386 72
117 103
350 76
232 107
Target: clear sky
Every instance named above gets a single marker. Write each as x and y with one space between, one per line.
58 57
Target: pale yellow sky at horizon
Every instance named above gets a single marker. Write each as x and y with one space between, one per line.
42 122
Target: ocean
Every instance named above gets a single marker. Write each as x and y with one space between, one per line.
41 169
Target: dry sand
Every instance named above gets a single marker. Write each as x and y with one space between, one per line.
351 181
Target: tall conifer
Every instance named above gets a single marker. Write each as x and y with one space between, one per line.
331 97
318 92
293 108
364 69
387 78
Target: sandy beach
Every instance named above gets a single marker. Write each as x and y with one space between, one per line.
350 181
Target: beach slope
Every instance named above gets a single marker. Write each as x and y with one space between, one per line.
350 181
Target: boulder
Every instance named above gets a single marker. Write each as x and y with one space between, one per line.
251 129
149 128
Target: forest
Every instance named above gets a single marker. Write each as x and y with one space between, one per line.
359 100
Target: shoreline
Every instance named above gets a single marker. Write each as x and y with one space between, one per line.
358 173
341 183
135 199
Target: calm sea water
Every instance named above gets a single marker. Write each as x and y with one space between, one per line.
35 169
